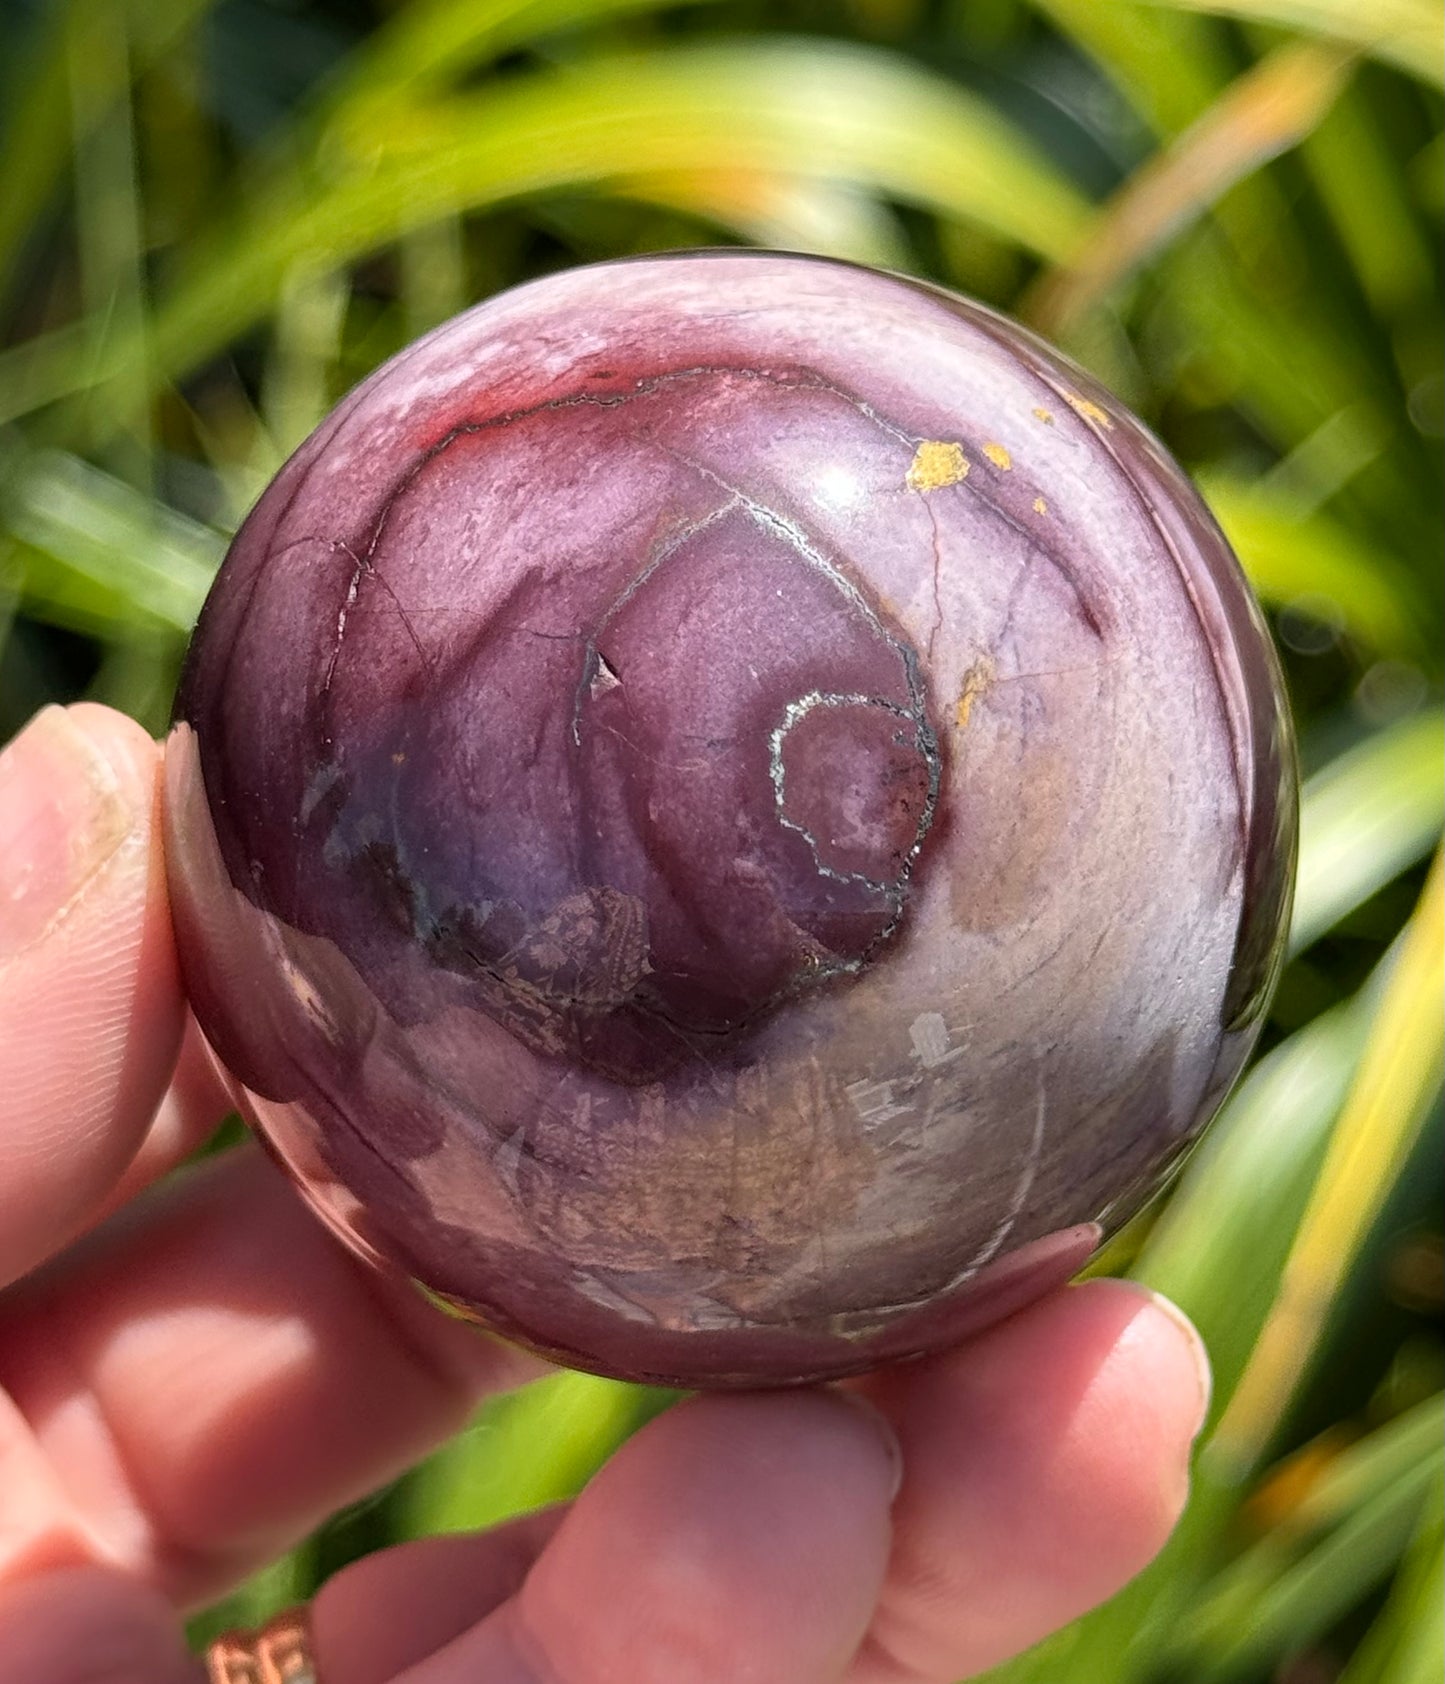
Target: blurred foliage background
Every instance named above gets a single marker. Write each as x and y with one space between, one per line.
216 215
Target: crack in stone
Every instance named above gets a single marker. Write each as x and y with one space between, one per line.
363 569
799 378
606 679
661 553
1244 783
348 602
937 593
995 1241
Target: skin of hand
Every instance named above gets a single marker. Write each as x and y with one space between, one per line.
193 1374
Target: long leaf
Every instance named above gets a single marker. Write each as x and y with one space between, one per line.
104 548
788 213
1169 65
423 44
844 115
1364 818
1398 1077
108 214
1406 1642
1267 110
534 1447
1368 200
1291 554
1409 34
1269 1604
1362 1470
1218 1250
35 147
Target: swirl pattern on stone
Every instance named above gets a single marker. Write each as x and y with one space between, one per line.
729 815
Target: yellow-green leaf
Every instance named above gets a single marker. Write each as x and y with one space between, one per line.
1364 818
1407 33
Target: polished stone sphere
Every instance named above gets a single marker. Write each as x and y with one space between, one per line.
730 815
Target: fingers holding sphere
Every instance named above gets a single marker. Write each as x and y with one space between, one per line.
394 1609
90 1001
86 1625
733 1537
1046 1464
1043 1465
211 1374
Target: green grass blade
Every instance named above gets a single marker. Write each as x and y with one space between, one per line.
534 1447
788 213
845 115
1172 66
1398 1078
35 149
1265 111
1410 34
1270 1604
1392 1452
1169 65
1422 1635
104 549
12 582
419 53
1364 818
1284 365
1407 1640
295 392
108 219
1426 175
37 371
425 43
1293 555
808 109
285 1582
433 276
1366 196
1244 1191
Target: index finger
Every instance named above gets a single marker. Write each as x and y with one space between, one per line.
90 1000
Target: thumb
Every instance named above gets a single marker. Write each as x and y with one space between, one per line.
90 1004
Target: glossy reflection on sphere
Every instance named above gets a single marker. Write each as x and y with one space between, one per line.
729 815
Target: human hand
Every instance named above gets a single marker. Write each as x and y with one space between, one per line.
201 1374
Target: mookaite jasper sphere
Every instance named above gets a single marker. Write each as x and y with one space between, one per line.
730 815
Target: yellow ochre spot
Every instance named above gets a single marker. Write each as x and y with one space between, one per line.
975 681
936 464
1045 417
1040 506
1089 411
998 456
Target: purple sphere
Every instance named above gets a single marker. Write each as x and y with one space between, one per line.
729 816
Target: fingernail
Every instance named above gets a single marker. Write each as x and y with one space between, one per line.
63 813
1197 1350
884 1428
